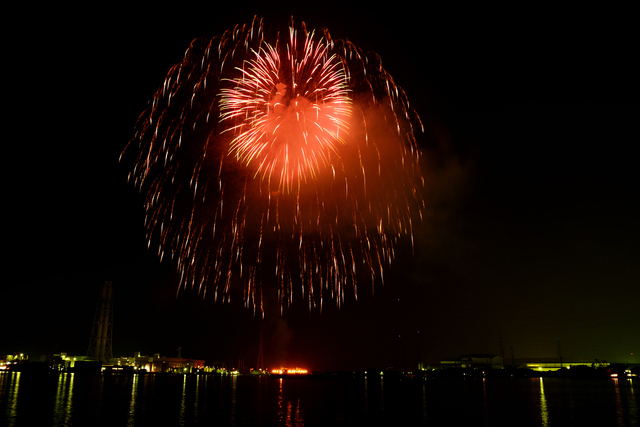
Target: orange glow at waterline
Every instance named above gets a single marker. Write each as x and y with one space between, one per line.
289 371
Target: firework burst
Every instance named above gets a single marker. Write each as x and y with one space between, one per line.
283 166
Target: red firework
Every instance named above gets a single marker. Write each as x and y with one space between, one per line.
287 126
292 166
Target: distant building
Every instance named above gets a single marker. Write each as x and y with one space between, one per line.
64 362
490 361
156 363
12 359
487 361
553 363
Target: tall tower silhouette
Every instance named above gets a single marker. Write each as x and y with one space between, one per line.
260 361
100 345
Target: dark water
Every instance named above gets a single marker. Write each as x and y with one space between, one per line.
156 400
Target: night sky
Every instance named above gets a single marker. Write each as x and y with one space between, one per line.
533 211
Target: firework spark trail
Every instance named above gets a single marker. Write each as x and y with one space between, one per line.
294 161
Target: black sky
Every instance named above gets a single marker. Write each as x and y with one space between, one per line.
533 211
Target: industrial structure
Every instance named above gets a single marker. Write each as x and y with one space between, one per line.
99 356
101 343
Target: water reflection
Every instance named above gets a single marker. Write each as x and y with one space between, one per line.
196 402
182 401
544 413
484 398
290 416
280 400
132 403
633 403
234 409
381 392
155 400
366 395
64 399
619 406
13 380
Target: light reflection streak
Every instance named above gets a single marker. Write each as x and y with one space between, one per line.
544 413
132 401
299 415
12 401
234 382
280 399
633 406
288 416
366 395
619 406
64 396
381 393
484 397
196 401
182 400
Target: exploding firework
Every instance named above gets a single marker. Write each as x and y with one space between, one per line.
278 166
